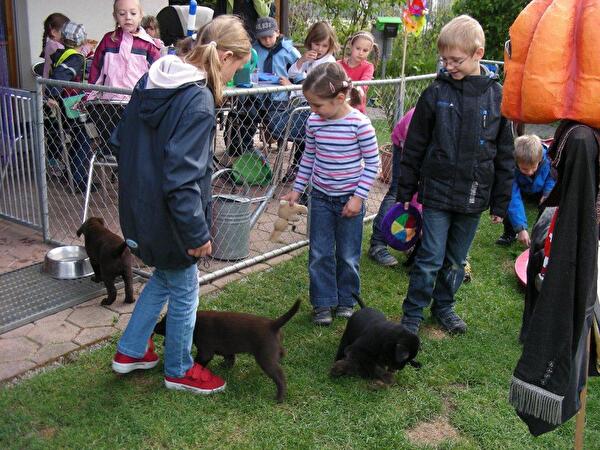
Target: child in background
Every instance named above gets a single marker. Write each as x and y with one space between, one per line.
357 67
461 162
321 43
275 55
164 151
124 54
51 39
340 162
533 176
378 250
68 64
150 25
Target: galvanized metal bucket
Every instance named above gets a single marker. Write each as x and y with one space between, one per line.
232 220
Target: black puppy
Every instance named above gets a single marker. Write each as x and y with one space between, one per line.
228 333
109 256
374 347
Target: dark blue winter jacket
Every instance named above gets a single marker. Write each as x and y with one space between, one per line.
459 150
163 147
541 182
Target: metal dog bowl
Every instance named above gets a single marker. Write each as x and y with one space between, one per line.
67 263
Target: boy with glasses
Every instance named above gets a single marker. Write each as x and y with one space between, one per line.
459 157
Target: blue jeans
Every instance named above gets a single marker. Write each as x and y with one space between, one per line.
334 252
80 156
279 118
243 120
438 270
377 239
180 288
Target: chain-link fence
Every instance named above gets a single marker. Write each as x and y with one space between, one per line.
258 142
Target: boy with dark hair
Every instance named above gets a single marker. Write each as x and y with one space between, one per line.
459 156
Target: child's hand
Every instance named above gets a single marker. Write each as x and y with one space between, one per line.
292 197
203 250
284 81
309 55
523 237
52 103
353 207
496 219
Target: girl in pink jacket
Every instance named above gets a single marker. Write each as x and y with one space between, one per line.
125 54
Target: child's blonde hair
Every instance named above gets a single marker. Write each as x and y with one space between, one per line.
362 35
462 32
321 31
113 36
151 22
528 149
327 81
225 33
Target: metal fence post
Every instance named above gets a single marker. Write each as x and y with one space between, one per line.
39 154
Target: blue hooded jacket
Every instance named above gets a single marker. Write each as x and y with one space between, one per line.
284 55
163 146
542 182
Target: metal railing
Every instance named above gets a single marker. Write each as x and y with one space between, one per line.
258 141
20 195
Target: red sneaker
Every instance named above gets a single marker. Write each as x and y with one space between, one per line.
198 380
124 364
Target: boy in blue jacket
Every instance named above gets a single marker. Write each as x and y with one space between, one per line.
533 177
68 64
275 55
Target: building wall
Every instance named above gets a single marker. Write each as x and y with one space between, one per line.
95 15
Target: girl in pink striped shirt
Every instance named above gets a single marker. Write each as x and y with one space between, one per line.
340 161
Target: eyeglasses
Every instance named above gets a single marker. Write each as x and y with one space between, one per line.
453 62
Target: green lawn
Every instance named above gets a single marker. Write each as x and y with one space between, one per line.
463 383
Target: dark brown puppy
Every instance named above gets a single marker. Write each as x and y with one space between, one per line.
228 333
374 347
109 256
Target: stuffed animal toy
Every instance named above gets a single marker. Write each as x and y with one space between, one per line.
288 215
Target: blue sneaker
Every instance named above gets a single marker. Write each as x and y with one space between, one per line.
322 316
381 256
451 322
411 324
344 312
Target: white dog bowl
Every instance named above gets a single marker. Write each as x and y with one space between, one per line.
68 263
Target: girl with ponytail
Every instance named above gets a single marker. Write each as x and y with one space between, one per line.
164 153
51 39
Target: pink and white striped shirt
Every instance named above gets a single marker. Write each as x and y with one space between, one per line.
341 156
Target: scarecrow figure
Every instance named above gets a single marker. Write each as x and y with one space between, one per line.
562 300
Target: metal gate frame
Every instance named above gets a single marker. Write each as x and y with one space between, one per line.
21 162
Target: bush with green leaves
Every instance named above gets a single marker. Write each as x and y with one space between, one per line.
495 17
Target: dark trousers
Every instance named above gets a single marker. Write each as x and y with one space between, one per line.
388 201
438 270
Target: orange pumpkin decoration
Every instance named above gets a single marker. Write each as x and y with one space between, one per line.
552 63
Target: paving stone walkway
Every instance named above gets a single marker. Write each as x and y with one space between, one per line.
46 340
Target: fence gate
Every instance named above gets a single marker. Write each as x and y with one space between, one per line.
19 161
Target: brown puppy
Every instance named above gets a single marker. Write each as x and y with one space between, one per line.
109 256
228 333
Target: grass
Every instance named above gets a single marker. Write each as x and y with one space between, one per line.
464 380
382 131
